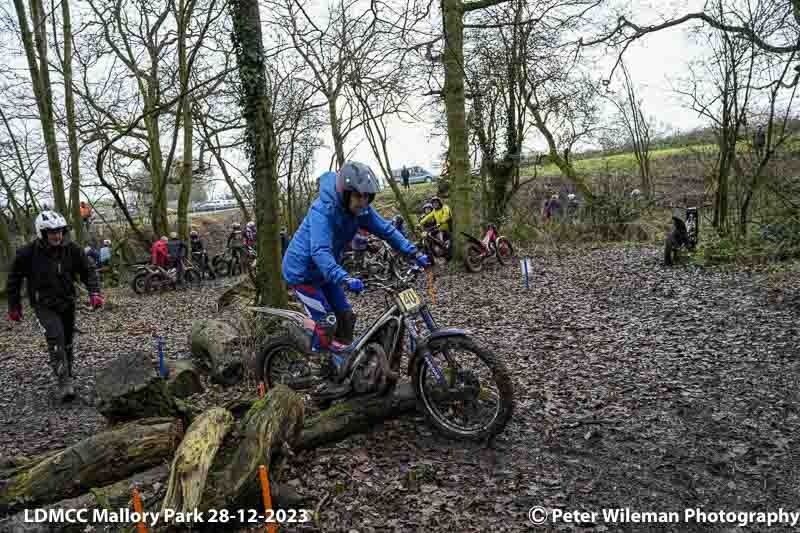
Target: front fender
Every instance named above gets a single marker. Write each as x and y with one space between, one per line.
423 344
472 239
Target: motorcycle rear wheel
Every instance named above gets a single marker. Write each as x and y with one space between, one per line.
282 362
473 257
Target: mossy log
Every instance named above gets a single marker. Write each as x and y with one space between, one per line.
357 415
270 423
193 459
99 460
130 388
112 497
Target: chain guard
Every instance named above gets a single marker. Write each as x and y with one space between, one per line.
370 374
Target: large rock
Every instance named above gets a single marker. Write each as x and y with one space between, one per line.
130 388
183 379
214 345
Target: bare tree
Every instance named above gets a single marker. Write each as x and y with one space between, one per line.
754 168
34 40
721 91
636 126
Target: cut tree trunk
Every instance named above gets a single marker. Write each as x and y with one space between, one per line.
99 460
130 388
214 345
193 459
270 423
183 379
112 497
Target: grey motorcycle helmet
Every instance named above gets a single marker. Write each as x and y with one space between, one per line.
356 177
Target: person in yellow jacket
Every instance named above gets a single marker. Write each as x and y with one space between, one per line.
440 214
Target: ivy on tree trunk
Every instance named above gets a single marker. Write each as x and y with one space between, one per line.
255 100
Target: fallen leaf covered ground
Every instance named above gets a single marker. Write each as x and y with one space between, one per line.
636 386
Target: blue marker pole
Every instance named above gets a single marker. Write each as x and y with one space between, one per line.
524 266
161 367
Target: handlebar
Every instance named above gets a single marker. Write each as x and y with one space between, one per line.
395 285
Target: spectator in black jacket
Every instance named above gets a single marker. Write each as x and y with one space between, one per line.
51 265
177 251
199 254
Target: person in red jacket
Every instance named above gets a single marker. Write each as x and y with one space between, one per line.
159 253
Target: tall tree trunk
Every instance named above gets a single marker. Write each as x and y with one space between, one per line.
158 211
338 141
186 110
40 78
289 185
72 130
256 102
458 151
6 252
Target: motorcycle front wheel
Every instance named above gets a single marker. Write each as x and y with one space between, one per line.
504 251
469 395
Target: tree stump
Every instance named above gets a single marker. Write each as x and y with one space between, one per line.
94 462
213 344
129 388
183 379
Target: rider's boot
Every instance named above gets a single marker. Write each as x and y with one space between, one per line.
60 365
345 327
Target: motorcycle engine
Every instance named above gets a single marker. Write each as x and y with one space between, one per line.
369 373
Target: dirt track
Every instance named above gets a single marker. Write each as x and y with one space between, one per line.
637 386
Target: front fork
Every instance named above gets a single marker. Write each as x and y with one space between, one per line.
426 353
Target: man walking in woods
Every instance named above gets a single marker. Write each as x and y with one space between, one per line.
51 265
405 175
759 140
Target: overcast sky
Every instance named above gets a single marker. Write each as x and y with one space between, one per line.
655 63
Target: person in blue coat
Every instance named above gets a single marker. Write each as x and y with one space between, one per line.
310 265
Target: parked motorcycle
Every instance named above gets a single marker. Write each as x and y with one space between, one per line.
140 273
684 235
492 245
162 278
463 389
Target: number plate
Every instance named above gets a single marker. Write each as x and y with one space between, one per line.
409 301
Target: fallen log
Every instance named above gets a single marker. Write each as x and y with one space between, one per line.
99 460
112 497
130 388
232 481
357 415
193 459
